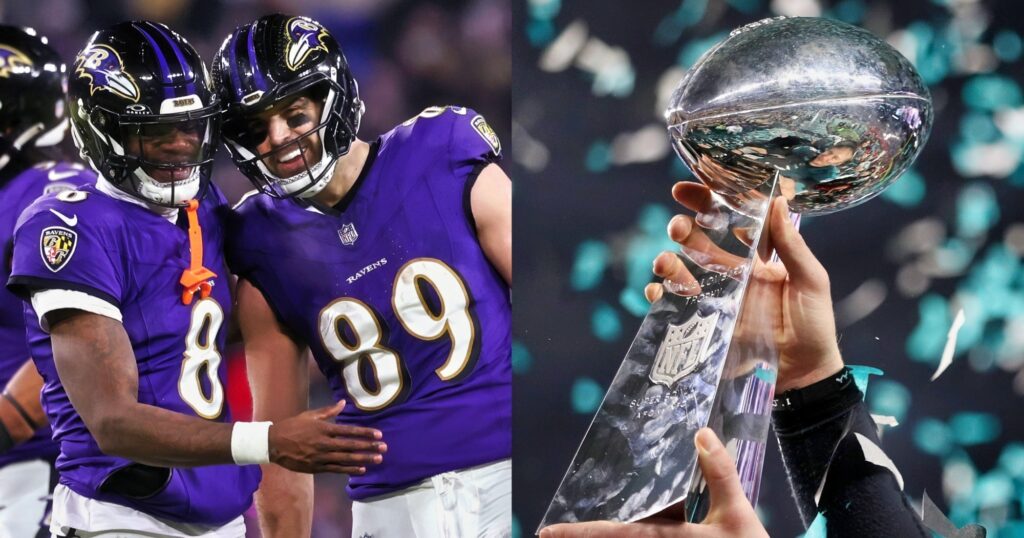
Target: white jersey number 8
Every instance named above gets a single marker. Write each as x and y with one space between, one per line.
201 350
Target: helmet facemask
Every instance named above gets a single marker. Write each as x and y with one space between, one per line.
244 132
161 159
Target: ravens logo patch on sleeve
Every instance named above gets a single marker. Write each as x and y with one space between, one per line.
57 245
488 134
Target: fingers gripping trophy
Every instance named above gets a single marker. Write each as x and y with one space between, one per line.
820 112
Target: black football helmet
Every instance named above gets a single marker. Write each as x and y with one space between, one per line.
32 82
271 60
142 112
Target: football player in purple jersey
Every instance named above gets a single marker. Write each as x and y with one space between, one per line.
32 123
127 303
390 260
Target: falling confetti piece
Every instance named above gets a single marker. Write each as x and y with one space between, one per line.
874 454
883 420
950 349
937 522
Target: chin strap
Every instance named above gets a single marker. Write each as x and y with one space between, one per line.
196 278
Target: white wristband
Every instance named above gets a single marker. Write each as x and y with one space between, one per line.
250 442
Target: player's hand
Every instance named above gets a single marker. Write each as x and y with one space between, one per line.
730 514
312 443
792 299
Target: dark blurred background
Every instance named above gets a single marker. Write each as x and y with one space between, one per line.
593 168
406 54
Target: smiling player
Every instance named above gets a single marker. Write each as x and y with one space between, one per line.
128 303
391 262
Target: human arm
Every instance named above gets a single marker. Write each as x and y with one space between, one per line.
85 343
279 381
820 429
816 434
491 203
21 411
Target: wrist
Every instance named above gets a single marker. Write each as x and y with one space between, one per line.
250 442
815 393
825 368
795 410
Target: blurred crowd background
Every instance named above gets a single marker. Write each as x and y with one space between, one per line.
406 55
593 169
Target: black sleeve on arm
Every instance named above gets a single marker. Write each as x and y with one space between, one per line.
815 426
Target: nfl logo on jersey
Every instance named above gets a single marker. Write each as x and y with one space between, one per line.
348 234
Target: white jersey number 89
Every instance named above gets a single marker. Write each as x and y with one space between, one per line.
414 313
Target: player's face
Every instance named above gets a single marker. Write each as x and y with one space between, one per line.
167 144
281 130
833 157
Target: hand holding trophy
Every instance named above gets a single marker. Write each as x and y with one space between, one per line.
820 112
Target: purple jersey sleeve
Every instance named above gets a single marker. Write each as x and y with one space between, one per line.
62 241
18 192
473 144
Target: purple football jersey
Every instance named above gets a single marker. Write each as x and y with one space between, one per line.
401 308
16 194
132 258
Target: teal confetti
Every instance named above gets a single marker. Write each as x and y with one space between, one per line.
849 11
615 79
933 437
544 9
992 92
1017 177
1007 46
932 55
692 51
521 358
976 210
589 265
1011 459
634 302
763 515
889 398
818 528
690 13
993 489
861 375
586 395
909 191
540 32
954 256
745 6
679 171
641 250
768 375
995 271
978 128
517 531
653 220
605 323
970 428
598 157
927 340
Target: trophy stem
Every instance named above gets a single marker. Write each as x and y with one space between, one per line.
705 359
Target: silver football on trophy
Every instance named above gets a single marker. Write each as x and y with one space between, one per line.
831 110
